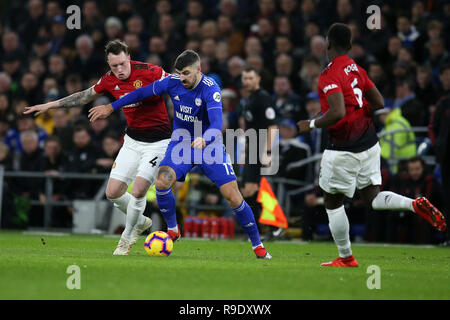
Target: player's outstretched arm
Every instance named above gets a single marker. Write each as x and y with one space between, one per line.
332 116
76 99
136 96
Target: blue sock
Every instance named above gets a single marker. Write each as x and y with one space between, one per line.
244 215
166 203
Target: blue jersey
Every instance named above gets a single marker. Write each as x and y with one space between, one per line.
201 104
191 107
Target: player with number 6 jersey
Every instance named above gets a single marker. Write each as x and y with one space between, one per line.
355 132
352 158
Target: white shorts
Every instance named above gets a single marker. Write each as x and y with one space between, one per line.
137 158
343 171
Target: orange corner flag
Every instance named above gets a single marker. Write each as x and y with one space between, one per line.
272 213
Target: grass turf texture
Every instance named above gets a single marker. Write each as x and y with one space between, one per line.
197 270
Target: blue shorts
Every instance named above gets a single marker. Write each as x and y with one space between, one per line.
212 160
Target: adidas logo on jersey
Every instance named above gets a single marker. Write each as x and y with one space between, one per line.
116 87
177 98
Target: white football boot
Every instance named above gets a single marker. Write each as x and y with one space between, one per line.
123 247
138 229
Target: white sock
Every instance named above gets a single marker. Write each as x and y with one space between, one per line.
339 227
135 210
122 202
174 229
387 200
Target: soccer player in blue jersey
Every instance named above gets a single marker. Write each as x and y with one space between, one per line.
196 140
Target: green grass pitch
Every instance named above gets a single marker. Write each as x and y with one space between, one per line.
222 270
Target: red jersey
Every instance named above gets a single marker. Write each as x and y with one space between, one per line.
147 120
355 132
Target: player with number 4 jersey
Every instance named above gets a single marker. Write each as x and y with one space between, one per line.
146 136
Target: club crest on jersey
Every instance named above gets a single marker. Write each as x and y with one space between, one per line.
216 96
137 84
198 102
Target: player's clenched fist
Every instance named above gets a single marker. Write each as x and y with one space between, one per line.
100 112
198 143
304 126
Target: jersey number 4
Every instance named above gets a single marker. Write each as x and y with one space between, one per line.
153 161
358 93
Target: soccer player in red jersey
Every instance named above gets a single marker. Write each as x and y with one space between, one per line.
146 137
352 158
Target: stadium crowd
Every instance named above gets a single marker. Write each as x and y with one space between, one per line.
408 59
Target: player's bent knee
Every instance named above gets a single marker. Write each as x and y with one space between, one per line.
114 193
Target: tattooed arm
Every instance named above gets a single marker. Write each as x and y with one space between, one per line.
76 99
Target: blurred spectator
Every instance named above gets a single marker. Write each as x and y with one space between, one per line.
134 47
57 68
136 25
25 123
58 33
109 149
82 159
437 55
310 69
407 32
92 22
292 150
425 91
53 162
235 67
29 88
11 66
227 32
62 129
113 29
5 82
28 161
11 43
255 61
287 102
53 9
344 11
399 145
41 48
5 156
38 68
265 33
378 76
28 30
87 64
408 227
405 98
101 126
124 10
169 33
318 49
5 109
162 7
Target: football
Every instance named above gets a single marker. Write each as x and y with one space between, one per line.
158 244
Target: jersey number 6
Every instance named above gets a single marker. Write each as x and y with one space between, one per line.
358 93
